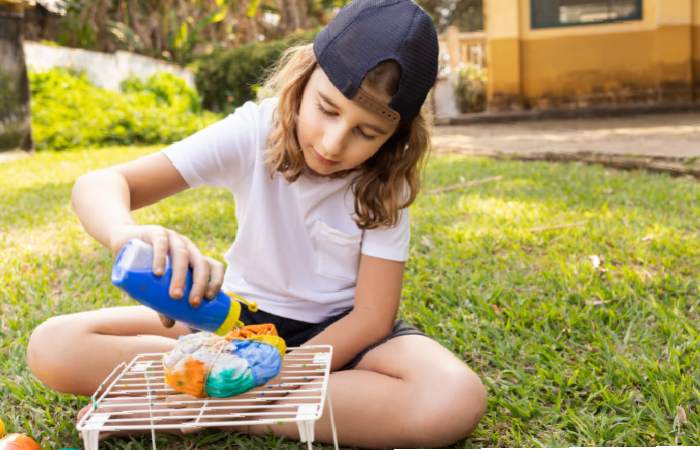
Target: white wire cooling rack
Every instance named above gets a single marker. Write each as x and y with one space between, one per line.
135 397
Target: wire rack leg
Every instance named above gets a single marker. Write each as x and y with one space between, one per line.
306 415
330 411
306 431
91 433
91 439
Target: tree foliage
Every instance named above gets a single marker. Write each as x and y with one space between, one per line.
228 79
182 31
465 14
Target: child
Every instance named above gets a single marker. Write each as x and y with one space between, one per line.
322 176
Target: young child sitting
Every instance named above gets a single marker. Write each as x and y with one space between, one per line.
322 173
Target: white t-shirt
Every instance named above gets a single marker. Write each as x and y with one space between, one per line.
297 249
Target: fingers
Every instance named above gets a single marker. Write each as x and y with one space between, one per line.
180 261
184 253
216 277
166 321
200 273
159 239
207 273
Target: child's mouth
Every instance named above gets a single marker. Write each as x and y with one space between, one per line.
323 160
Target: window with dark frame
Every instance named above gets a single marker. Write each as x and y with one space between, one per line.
564 13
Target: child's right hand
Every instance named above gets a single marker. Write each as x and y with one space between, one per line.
207 273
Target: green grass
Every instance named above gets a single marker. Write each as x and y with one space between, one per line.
573 355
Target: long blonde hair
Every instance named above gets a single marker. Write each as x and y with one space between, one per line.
386 182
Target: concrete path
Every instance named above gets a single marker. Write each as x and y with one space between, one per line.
666 142
665 135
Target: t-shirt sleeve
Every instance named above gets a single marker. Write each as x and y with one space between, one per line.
389 242
222 154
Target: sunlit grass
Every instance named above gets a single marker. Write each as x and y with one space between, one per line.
573 353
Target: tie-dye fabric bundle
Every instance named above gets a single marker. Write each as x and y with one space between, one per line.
204 364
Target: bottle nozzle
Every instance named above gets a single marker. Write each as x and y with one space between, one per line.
252 306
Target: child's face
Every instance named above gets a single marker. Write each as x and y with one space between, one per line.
346 134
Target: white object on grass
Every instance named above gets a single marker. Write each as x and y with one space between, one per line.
135 397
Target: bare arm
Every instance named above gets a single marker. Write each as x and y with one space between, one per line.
104 199
377 299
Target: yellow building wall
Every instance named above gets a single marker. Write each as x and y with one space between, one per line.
656 59
696 48
502 19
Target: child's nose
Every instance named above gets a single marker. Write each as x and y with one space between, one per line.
334 138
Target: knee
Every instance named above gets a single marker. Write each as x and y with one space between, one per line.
468 402
46 354
449 409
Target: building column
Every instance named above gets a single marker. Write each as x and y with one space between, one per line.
674 50
695 46
452 35
502 25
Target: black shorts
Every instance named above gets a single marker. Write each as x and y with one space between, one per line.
296 332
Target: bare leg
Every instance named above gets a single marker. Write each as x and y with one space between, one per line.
407 392
74 353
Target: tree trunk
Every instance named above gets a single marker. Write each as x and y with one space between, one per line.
293 15
15 112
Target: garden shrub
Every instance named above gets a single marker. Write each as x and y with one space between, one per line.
168 89
470 88
227 79
69 111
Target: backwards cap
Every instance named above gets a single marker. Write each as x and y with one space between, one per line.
367 32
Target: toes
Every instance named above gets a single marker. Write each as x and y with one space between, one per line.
83 411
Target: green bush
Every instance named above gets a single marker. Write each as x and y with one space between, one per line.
168 90
227 79
68 111
471 88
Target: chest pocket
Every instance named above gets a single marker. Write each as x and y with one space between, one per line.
336 253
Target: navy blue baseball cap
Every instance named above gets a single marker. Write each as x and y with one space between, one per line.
367 32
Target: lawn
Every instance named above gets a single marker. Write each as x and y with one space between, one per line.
571 290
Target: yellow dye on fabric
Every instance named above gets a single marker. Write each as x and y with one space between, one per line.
264 332
274 341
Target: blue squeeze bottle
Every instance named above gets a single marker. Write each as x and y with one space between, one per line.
133 273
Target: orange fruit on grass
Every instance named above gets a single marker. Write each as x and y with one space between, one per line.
15 441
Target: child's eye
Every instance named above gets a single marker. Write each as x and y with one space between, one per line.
320 108
368 137
328 113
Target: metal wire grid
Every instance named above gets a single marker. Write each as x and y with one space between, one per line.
135 397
